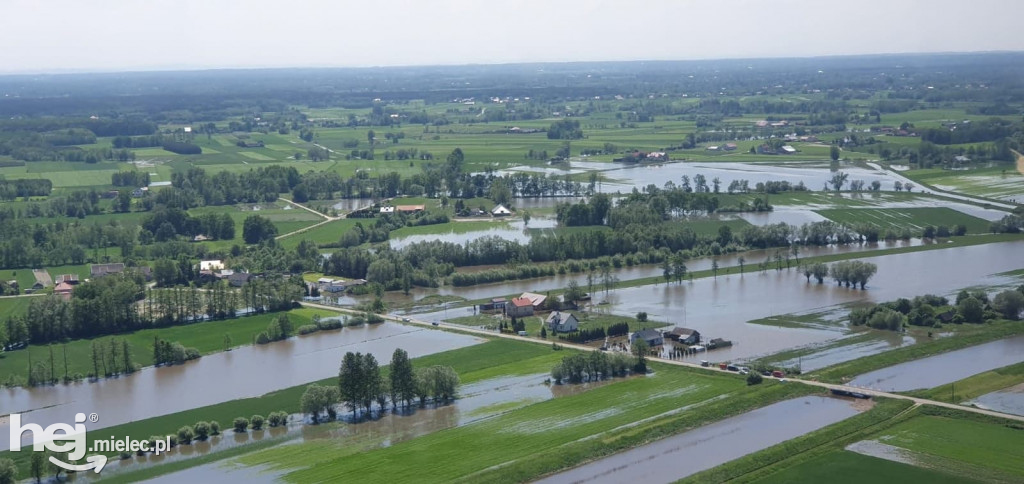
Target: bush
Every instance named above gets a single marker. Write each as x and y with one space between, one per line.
308 329
214 428
327 324
641 316
185 435
201 430
276 419
262 338
257 422
241 424
754 378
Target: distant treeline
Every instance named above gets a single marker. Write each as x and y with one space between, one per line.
12 189
181 148
130 179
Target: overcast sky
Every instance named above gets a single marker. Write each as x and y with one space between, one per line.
116 35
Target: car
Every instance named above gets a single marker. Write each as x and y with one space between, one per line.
732 368
405 320
743 372
435 323
782 380
704 363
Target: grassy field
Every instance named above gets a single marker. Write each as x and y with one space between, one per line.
328 233
1000 182
975 386
12 307
915 219
522 442
975 443
845 467
473 363
207 337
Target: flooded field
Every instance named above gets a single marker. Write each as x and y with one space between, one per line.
625 178
674 458
1009 400
945 368
839 352
477 401
244 372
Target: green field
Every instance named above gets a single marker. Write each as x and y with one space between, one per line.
976 385
207 337
845 467
915 219
1000 182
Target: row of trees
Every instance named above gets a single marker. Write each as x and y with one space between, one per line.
973 307
595 366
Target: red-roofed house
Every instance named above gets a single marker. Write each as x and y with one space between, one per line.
63 290
519 307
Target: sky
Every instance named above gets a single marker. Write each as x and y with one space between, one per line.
129 35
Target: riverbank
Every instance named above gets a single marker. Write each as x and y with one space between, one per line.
974 386
846 371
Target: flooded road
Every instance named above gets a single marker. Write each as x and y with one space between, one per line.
248 371
674 458
1009 400
945 368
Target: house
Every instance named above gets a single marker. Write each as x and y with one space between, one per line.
789 150
210 265
71 279
63 290
729 147
145 271
495 304
711 148
200 238
501 211
536 300
238 279
100 270
519 308
559 322
961 159
139 192
410 208
324 280
683 335
650 336
387 209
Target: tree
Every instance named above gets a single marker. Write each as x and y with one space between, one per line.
573 292
641 316
1009 303
972 310
403 379
38 466
833 153
256 422
526 218
754 378
256 229
185 435
640 350
741 261
714 267
8 471
316 400
373 383
240 424
201 430
543 332
838 180
351 384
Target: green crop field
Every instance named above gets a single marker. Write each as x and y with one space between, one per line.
328 233
1000 182
974 443
915 219
844 467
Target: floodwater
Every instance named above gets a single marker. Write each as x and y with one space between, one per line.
676 457
946 367
248 371
884 341
1008 400
813 178
477 401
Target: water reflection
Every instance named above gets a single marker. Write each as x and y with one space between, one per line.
245 372
676 457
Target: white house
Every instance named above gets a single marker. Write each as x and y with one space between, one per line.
501 211
210 265
562 322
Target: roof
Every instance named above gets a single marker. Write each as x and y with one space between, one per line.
209 265
63 287
497 299
682 331
409 208
67 278
535 299
520 302
501 210
560 317
325 280
104 269
387 209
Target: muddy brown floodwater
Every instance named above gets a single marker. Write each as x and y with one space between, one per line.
676 457
248 371
946 367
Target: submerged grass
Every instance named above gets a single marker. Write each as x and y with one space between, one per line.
974 386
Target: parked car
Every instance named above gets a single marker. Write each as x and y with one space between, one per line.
522 333
405 320
704 363
778 374
732 368
435 323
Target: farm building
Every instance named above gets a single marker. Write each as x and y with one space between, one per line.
650 336
519 307
495 304
210 265
100 270
537 300
410 208
559 322
683 335
501 211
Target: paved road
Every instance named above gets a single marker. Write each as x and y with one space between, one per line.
875 393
